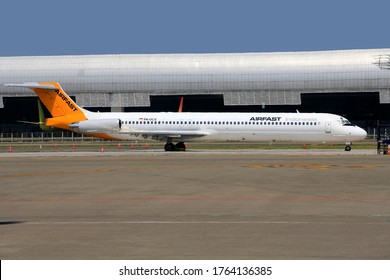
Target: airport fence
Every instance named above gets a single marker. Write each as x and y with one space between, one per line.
69 141
67 136
60 136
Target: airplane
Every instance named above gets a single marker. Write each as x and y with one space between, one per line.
183 127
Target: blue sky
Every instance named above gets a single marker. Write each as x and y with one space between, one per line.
43 27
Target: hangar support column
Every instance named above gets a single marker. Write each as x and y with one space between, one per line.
384 96
115 102
117 109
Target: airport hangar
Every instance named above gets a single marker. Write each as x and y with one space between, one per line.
352 83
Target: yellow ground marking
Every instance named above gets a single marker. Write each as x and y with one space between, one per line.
312 166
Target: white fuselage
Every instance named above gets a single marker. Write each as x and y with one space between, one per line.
298 127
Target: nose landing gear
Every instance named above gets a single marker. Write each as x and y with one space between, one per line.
348 146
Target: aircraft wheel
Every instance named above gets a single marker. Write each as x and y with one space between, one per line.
169 147
348 148
180 147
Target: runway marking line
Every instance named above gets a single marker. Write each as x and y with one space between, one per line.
97 199
259 166
197 223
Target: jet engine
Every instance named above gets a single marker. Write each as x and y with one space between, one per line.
97 126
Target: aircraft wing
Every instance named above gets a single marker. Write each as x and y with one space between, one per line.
165 134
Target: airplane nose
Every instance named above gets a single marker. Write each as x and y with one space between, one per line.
361 133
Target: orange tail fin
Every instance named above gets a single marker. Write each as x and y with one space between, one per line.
63 109
56 100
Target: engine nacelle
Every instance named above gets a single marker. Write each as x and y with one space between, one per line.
97 126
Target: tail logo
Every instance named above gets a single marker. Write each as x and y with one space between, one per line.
66 100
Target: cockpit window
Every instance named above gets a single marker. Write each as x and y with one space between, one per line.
346 122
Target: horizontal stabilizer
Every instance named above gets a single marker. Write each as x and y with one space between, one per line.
32 85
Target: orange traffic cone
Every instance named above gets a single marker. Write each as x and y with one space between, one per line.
102 150
146 146
119 145
10 149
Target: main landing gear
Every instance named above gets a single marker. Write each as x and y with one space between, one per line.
170 147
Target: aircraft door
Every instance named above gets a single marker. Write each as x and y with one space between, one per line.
328 126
